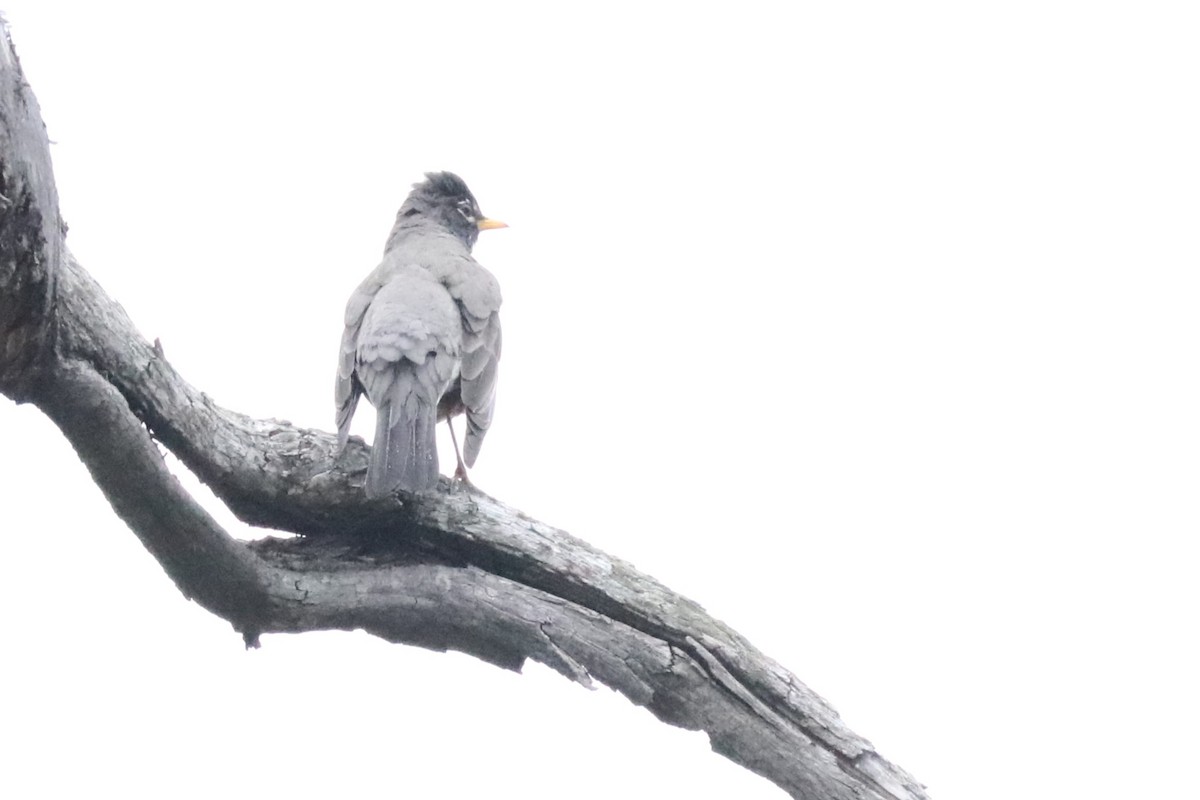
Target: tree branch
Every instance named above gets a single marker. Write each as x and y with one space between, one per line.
449 570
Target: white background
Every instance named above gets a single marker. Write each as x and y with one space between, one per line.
870 326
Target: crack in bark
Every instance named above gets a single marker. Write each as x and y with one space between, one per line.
722 677
578 672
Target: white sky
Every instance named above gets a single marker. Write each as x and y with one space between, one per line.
870 326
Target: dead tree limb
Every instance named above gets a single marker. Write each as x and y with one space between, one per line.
450 570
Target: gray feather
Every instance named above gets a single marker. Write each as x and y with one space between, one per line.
424 320
404 454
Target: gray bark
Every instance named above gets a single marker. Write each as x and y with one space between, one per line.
454 569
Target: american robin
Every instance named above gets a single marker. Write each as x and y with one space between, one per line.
422 339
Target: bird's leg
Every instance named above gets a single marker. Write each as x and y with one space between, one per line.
460 473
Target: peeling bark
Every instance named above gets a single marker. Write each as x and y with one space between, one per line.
454 569
31 232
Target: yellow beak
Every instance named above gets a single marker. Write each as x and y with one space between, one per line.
486 224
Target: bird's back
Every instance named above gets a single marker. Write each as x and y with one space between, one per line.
421 340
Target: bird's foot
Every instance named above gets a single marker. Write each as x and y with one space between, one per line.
460 477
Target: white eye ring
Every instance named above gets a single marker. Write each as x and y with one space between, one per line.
467 209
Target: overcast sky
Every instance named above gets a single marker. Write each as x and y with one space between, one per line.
870 326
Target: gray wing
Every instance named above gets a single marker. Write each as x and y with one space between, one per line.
347 388
478 298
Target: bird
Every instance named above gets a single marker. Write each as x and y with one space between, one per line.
422 339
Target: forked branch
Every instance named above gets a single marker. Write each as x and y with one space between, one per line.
448 570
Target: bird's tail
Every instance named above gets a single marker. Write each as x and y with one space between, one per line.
404 455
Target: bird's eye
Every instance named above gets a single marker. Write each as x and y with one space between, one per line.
465 208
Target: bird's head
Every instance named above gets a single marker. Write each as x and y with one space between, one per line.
444 198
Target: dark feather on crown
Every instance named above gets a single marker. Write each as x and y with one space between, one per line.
442 185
